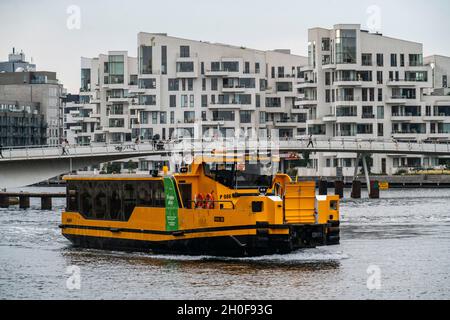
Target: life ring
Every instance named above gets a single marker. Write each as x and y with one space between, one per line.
199 200
209 201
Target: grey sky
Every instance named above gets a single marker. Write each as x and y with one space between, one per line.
39 26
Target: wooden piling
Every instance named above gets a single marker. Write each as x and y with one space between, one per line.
374 190
323 187
339 188
356 189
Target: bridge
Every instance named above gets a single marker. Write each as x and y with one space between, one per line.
28 165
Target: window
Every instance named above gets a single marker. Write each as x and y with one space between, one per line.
380 60
262 117
163 118
230 66
245 116
147 83
172 101
380 94
380 130
185 66
444 81
379 77
85 80
184 101
164 59
174 85
247 67
223 115
190 82
345 46
145 60
191 101
327 78
154 117
184 52
189 117
415 60
402 60
116 69
257 68
214 84
204 101
147 100
325 44
202 68
280 72
273 73
203 84
393 60
258 101
366 59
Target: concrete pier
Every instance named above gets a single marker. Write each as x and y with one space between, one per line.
46 203
24 202
4 201
24 199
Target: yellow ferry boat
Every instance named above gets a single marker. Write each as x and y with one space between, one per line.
219 207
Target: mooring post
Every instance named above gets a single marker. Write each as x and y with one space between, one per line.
356 189
24 202
374 190
323 187
4 201
46 203
339 188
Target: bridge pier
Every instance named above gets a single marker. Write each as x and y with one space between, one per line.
4 201
46 203
339 188
24 202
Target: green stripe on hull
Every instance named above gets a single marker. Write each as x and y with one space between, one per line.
171 204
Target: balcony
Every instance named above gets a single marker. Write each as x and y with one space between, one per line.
396 100
306 84
214 122
368 116
348 83
330 118
234 88
217 73
223 105
305 102
406 83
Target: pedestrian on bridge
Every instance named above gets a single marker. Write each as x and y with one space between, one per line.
1 149
64 146
310 143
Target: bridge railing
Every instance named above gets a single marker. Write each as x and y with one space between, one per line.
208 145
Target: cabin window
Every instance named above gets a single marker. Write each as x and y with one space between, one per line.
129 199
72 197
115 201
100 204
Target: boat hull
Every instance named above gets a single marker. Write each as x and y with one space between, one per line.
259 244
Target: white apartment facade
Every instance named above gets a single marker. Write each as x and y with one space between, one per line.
103 113
368 86
192 87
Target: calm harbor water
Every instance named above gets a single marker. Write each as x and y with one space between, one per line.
406 234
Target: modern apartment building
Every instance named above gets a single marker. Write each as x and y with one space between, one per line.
21 124
186 85
369 86
41 88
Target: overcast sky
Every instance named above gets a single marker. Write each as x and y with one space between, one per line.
39 27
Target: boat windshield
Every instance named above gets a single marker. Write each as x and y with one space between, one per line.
240 175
